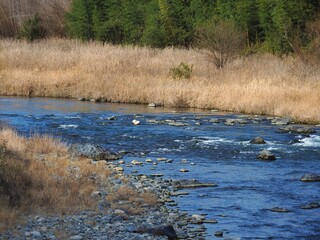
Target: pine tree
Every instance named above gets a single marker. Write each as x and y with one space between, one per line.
79 20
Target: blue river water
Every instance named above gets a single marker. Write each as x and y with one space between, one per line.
213 152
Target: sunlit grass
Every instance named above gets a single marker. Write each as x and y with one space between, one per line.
38 176
260 84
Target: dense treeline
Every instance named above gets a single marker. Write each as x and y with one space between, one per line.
277 26
272 24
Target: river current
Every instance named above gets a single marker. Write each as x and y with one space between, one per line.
213 152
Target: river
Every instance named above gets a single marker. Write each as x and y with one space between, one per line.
213 152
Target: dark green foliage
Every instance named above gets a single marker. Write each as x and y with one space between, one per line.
31 29
275 25
79 20
283 22
154 32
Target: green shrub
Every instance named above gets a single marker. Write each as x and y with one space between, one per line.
182 71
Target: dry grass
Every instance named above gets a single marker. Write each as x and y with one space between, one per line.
63 68
36 176
130 200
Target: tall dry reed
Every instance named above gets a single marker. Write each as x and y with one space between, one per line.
37 176
258 84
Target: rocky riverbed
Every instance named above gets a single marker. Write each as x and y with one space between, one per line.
160 221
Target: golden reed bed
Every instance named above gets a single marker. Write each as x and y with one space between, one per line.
258 84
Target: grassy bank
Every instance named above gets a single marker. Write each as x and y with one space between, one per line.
258 84
37 176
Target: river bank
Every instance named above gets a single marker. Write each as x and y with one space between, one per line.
257 84
100 202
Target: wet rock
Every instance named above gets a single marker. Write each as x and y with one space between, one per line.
210 221
76 237
311 205
266 155
310 177
177 124
218 234
198 217
167 231
231 121
294 141
191 183
153 105
182 235
184 161
96 100
157 175
94 152
135 122
152 121
36 234
82 99
135 162
214 120
280 121
96 194
119 169
297 130
278 209
112 118
179 193
119 212
257 140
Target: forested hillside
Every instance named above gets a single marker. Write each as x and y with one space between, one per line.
277 26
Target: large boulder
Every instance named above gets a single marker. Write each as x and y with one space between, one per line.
311 205
95 152
266 155
257 140
310 177
280 121
167 231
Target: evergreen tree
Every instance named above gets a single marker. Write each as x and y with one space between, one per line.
277 25
201 11
79 19
134 17
153 34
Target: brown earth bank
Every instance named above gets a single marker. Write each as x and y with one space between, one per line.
255 84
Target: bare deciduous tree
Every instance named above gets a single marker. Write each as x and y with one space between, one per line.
14 13
221 41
